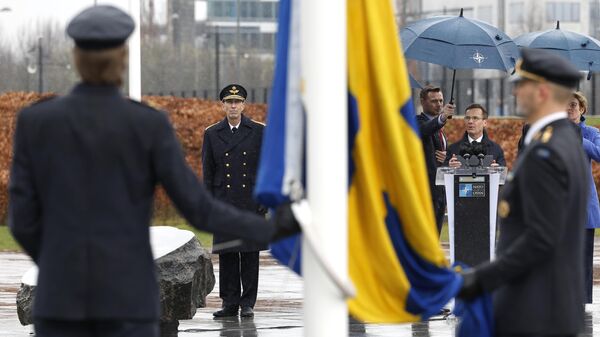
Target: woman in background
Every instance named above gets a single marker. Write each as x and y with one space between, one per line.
591 144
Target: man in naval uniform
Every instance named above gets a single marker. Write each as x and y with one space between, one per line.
230 156
537 277
82 182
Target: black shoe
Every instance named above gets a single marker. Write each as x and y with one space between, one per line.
226 312
247 312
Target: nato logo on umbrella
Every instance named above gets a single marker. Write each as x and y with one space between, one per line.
478 57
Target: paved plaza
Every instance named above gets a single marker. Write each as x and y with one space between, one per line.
278 310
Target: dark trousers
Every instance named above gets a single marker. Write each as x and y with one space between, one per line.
96 328
589 264
439 206
233 268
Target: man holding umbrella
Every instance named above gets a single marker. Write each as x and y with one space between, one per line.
431 121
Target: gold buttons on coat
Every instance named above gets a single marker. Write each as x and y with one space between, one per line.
226 154
228 175
244 164
227 165
244 174
244 153
228 186
244 186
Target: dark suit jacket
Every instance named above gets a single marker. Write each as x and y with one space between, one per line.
428 128
491 148
83 175
229 162
537 275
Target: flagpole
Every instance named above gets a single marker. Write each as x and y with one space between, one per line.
325 96
135 54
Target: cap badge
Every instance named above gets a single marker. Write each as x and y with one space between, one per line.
233 90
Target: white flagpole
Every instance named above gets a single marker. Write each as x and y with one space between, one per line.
135 54
324 74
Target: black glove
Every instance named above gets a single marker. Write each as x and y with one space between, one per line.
471 287
262 210
285 222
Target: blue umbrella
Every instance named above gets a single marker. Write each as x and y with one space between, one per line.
459 43
582 50
413 83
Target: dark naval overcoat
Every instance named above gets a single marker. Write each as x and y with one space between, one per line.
229 164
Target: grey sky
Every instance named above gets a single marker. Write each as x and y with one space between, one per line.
26 12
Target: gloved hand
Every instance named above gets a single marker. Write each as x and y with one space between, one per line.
262 210
471 287
285 222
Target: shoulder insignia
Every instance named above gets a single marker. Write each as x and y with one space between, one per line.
503 209
45 98
213 124
257 122
542 152
145 104
547 134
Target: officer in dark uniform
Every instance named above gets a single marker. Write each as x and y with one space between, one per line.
83 175
537 277
230 156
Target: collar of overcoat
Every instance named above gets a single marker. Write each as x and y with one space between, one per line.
233 139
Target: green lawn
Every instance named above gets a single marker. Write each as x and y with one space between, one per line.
7 243
204 238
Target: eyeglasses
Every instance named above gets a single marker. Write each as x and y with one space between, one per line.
473 118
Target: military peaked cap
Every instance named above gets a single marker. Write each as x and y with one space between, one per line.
233 91
545 66
100 27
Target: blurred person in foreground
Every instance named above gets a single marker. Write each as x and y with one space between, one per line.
591 145
431 121
83 176
475 123
537 276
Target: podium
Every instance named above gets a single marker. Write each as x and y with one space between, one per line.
472 199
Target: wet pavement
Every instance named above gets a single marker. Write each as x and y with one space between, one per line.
278 310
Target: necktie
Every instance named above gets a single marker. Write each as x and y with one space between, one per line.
441 140
233 129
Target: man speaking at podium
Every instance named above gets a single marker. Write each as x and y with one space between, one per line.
537 277
475 122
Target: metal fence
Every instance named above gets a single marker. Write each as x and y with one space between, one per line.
255 95
495 94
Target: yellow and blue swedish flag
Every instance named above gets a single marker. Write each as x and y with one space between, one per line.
395 262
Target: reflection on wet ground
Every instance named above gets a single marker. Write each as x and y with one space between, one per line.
278 311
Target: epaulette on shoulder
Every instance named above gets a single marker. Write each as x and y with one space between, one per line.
145 105
45 99
210 126
257 122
